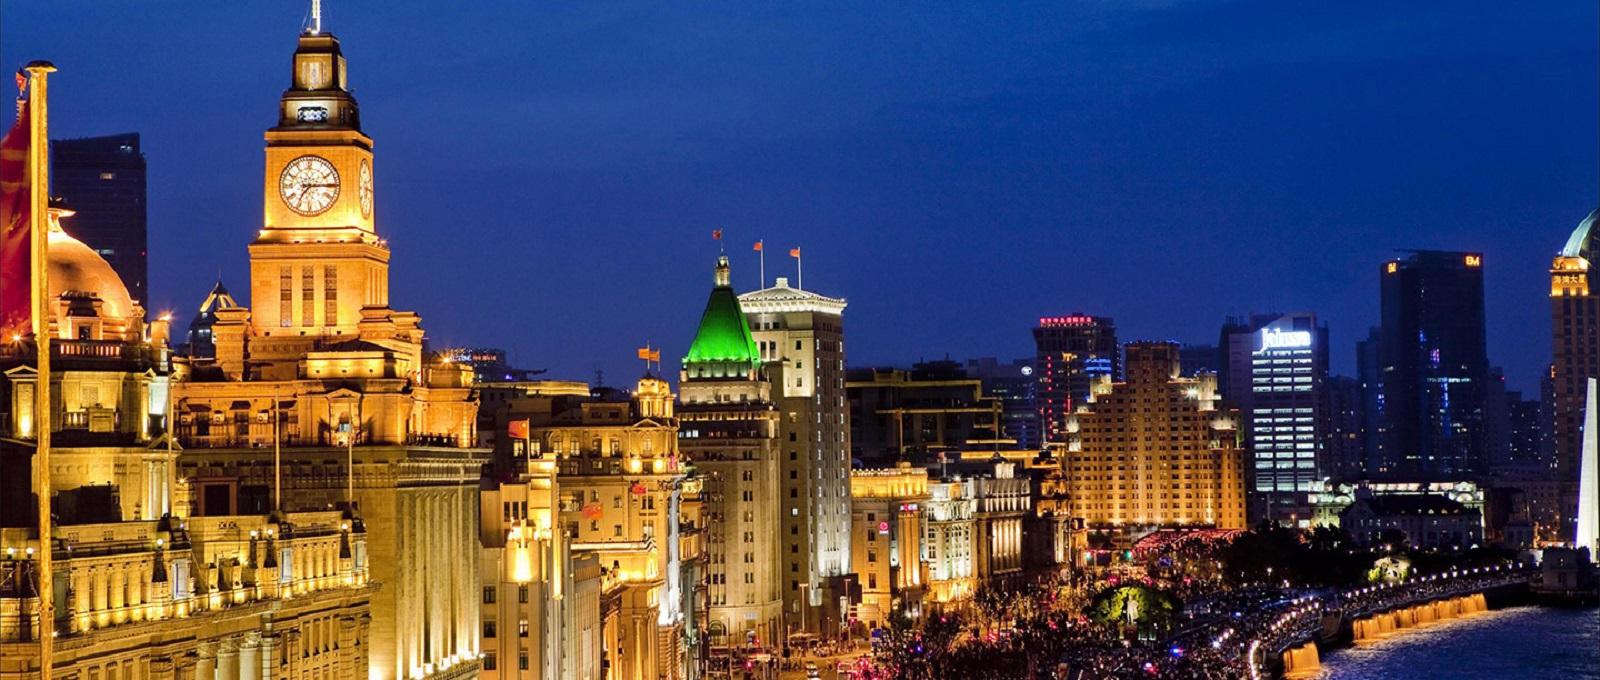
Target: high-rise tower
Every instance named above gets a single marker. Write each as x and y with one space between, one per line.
102 180
1434 367
729 429
317 261
1575 357
1275 370
1073 352
799 336
321 375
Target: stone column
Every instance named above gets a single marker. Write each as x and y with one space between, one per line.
250 657
270 655
205 665
347 647
228 660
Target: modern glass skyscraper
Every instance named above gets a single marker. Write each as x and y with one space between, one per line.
1434 368
1277 368
103 180
1073 352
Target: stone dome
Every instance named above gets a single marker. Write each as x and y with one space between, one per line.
77 268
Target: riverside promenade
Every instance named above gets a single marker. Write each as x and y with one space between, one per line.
1289 646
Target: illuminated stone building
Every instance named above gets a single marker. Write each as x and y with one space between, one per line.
1051 536
1575 349
948 533
142 589
618 484
1001 502
800 337
729 430
323 369
886 513
541 603
1073 353
1156 450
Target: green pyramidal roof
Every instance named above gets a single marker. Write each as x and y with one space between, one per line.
724 335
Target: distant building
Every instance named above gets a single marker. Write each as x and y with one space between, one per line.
1196 359
1369 371
886 529
900 415
1423 521
1529 439
103 179
1156 450
1575 350
1277 372
488 364
1435 371
199 343
1347 429
1016 385
1072 353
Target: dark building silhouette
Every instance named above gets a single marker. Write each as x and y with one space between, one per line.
907 415
1072 352
199 343
103 180
1347 429
1016 386
1434 367
1369 372
1196 359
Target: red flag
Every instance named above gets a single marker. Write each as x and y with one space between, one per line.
16 242
758 245
794 252
716 234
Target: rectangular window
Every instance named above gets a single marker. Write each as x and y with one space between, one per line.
488 594
330 295
308 296
285 296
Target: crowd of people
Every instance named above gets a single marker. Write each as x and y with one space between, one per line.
1223 629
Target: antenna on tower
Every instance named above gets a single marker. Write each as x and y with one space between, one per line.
316 17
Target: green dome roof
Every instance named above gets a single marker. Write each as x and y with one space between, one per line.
724 338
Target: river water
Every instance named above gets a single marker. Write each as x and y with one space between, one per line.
1524 643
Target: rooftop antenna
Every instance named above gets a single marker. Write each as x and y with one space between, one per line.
316 17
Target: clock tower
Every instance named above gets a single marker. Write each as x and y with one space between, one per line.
317 262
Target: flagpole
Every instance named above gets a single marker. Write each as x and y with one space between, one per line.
800 271
38 214
763 251
277 453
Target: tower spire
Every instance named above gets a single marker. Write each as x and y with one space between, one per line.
316 17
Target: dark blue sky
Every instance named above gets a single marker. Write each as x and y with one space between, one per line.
548 177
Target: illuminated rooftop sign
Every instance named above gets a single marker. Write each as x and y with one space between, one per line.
1272 338
1075 320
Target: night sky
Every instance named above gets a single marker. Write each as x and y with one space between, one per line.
548 174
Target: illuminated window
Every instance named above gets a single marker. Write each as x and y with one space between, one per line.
308 296
330 295
285 296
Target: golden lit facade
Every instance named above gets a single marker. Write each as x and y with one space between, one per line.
1002 502
1575 357
947 541
321 369
1156 450
541 603
143 590
886 506
237 597
728 428
619 487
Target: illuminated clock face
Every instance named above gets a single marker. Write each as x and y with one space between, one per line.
309 185
366 189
